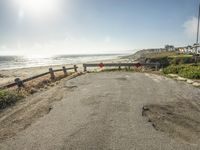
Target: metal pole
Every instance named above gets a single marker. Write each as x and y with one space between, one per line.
198 28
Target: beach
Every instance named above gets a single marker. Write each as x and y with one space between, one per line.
8 75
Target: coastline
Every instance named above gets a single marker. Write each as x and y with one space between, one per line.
7 76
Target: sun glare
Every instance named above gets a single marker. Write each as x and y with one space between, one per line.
38 7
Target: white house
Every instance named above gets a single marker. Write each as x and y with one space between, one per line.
181 49
196 48
189 49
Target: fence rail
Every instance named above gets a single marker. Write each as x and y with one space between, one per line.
18 82
101 65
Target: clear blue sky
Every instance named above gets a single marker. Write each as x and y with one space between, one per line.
94 26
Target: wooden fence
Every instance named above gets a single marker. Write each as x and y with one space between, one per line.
18 82
129 65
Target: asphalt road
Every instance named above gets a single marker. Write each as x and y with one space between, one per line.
103 111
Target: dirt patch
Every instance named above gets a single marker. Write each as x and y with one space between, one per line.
90 101
26 112
20 117
122 79
3 76
180 120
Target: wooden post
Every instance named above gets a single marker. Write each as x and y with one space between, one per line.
119 67
156 67
75 68
51 73
19 82
85 68
64 71
129 67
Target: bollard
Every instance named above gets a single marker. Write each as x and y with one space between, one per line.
75 68
64 71
19 82
51 73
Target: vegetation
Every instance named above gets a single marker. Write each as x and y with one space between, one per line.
8 98
11 96
181 56
169 58
187 71
160 54
173 63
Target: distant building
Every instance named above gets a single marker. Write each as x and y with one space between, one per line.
189 49
181 49
196 48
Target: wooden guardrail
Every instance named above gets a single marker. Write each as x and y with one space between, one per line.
129 65
18 82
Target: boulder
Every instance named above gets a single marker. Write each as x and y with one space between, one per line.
196 84
173 75
181 79
190 81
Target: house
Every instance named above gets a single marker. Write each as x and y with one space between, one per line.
181 49
189 49
196 48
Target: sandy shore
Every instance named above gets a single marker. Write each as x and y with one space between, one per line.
7 76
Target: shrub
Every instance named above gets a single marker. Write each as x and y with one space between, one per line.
192 72
8 98
187 71
181 60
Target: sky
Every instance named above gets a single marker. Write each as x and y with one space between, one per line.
94 26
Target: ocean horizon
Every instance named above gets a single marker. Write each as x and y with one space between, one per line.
15 62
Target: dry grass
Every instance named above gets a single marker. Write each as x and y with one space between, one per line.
10 96
44 82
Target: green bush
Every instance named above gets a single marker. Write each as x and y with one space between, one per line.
187 71
192 72
8 98
173 69
169 58
181 60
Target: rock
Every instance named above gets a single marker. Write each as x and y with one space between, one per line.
190 81
145 108
173 75
50 108
196 84
52 84
33 90
181 79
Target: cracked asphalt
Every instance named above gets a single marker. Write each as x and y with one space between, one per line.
103 111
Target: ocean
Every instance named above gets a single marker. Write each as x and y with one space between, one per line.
14 62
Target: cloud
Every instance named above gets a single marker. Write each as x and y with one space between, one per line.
190 27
